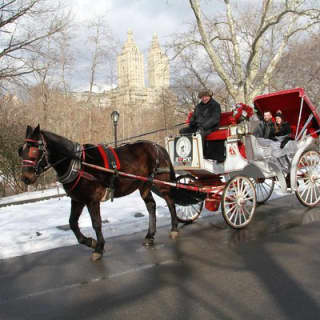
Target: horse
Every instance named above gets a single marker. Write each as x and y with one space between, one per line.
87 186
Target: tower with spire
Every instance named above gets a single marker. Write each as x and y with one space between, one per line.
158 66
130 65
141 108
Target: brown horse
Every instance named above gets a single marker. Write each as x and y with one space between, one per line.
87 186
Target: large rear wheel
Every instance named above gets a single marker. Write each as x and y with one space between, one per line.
238 202
308 178
190 212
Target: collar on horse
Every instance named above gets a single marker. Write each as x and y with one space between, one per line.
75 173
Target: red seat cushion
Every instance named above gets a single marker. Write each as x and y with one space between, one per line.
220 134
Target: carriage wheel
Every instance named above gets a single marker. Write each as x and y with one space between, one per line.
188 213
308 179
238 202
264 188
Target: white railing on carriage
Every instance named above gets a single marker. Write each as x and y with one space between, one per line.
304 127
301 106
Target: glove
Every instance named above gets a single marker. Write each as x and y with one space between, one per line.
201 131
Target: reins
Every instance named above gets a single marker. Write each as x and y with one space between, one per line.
42 146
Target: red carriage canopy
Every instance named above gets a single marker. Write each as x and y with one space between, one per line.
289 102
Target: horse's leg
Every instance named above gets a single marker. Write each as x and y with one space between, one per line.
147 197
174 221
94 210
76 210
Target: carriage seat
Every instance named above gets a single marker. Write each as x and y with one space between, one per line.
222 133
256 151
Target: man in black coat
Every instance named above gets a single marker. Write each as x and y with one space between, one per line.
206 115
205 120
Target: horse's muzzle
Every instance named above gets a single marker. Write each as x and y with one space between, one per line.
28 179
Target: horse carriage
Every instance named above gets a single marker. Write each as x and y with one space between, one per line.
185 177
247 175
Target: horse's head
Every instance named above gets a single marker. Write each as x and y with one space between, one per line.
34 155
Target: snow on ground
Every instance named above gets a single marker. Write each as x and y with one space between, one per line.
43 225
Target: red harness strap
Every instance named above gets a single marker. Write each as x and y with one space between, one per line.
82 174
104 155
106 159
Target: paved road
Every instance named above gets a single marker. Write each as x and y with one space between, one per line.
268 271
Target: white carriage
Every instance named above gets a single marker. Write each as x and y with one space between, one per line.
251 166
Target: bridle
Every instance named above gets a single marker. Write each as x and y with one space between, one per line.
40 146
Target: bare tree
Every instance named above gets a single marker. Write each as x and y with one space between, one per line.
101 45
245 44
24 24
300 67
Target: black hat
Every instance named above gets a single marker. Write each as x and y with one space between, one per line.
205 93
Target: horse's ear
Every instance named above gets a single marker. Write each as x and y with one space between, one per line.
37 130
29 131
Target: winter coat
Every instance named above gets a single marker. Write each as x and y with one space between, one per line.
282 130
265 130
206 117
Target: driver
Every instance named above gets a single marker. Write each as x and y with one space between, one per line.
205 118
206 115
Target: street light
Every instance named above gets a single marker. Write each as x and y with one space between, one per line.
115 118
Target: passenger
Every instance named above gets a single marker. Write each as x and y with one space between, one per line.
282 129
205 120
266 127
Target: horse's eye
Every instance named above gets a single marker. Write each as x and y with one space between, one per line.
20 151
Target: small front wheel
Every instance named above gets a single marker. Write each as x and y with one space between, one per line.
238 202
190 212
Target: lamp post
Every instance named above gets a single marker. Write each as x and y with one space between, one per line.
115 118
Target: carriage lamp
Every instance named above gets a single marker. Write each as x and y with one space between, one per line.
115 118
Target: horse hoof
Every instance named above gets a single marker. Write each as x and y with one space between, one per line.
93 243
148 242
96 256
174 235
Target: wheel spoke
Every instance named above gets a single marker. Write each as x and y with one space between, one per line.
307 173
238 202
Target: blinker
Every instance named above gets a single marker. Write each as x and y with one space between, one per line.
33 152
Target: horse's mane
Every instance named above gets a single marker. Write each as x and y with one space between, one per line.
66 146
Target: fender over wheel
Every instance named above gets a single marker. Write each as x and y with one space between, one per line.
308 178
238 202
190 212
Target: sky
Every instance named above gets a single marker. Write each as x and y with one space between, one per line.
143 17
43 225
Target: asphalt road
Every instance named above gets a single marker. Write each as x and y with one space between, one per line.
270 270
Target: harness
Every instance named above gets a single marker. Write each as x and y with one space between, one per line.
111 161
33 154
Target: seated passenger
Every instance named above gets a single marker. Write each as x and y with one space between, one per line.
282 129
265 128
205 119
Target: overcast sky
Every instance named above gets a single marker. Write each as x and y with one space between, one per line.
143 17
